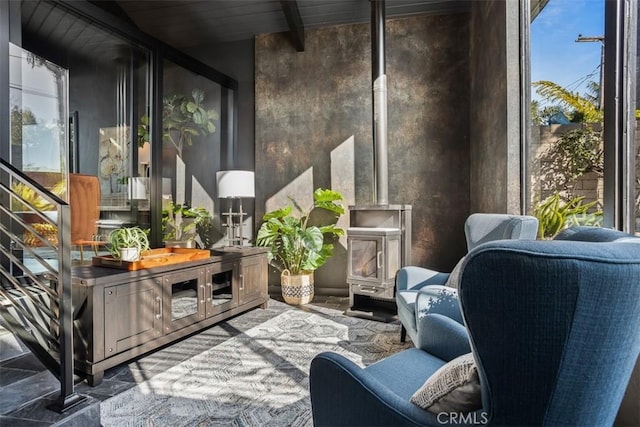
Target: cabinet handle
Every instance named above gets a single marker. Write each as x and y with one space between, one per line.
379 259
210 286
159 315
203 292
242 282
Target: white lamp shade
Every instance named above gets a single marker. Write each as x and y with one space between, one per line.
235 184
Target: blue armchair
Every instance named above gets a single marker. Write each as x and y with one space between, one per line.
420 291
554 328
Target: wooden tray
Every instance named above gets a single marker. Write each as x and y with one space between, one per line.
153 258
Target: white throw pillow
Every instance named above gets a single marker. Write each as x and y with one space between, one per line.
455 387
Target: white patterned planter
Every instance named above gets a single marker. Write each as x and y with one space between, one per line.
296 289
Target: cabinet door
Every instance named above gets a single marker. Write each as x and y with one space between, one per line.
183 298
132 315
218 288
252 282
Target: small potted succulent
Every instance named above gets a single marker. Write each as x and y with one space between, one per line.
128 243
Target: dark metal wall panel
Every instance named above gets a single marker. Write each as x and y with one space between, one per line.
496 112
313 126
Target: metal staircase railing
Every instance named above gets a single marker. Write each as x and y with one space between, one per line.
35 297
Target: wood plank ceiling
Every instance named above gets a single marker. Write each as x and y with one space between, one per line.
190 23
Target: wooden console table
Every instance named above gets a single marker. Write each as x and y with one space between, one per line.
120 315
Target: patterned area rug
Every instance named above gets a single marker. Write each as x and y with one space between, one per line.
257 378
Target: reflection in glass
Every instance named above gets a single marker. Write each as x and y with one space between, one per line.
191 147
221 289
184 299
364 257
38 116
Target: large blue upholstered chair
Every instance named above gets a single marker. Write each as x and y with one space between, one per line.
554 328
418 288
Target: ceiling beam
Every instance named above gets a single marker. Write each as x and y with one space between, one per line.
296 27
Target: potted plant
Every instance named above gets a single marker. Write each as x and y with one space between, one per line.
181 225
299 244
127 243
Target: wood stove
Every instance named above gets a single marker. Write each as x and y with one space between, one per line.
374 257
379 237
378 244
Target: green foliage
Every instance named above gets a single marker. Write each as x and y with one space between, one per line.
20 118
540 115
299 243
580 108
183 118
127 237
575 153
555 214
181 222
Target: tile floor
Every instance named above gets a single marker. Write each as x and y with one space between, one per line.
26 387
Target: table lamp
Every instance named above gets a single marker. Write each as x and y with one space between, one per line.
235 184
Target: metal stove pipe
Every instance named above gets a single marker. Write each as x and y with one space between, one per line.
379 79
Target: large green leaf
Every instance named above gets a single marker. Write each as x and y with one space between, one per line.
278 213
312 239
326 199
268 232
332 229
198 95
191 107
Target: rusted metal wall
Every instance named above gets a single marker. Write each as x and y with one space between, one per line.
496 102
313 127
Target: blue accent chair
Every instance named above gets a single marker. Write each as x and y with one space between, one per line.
554 327
420 291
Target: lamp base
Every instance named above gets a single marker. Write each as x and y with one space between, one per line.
233 238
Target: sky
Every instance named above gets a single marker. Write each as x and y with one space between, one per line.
555 54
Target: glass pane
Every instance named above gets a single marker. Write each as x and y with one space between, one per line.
184 299
566 155
121 155
191 151
38 118
107 97
221 289
364 258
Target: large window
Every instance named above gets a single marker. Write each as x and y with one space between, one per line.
191 150
107 125
108 92
38 112
575 177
